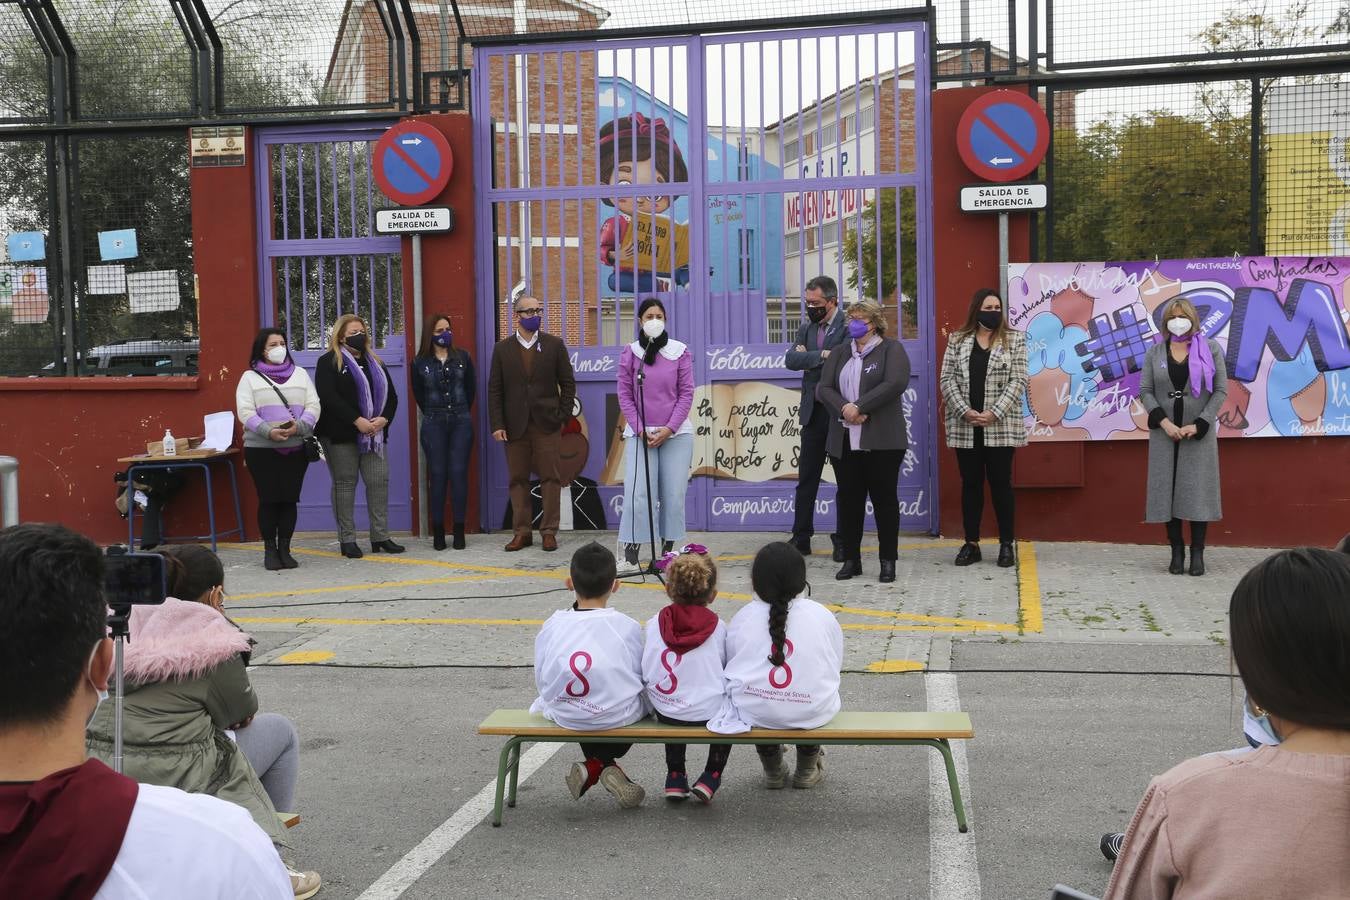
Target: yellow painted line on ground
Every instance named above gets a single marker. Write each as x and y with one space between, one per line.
896 665
1029 615
304 657
926 545
973 627
365 586
559 573
322 620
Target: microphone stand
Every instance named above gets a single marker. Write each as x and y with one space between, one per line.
641 434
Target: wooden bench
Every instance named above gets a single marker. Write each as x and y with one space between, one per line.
929 729
289 819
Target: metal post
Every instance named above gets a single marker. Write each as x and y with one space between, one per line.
1254 240
9 490
422 519
1003 256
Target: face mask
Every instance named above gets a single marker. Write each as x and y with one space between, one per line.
816 314
654 328
857 329
276 356
989 318
357 342
531 323
1179 326
102 695
1265 731
442 339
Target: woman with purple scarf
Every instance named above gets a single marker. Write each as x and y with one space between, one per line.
862 388
1182 387
359 402
278 406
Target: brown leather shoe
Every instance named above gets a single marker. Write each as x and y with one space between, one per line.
550 542
519 542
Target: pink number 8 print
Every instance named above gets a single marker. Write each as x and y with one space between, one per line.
670 669
787 670
580 673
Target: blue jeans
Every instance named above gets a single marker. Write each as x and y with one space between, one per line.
447 439
670 481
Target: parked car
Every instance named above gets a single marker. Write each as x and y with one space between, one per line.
140 356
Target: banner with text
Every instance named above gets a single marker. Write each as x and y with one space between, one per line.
1283 324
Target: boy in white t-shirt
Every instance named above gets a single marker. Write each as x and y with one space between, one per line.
682 664
784 653
588 668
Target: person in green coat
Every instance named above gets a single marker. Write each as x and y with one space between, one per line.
188 696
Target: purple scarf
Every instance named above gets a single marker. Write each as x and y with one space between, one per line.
850 381
371 401
277 373
1201 363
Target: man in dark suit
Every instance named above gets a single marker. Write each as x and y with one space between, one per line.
530 395
823 332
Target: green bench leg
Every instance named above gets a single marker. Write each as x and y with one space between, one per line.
945 749
515 775
506 767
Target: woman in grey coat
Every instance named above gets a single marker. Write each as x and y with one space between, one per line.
862 387
1183 385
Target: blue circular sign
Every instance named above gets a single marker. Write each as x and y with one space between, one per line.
1003 136
412 163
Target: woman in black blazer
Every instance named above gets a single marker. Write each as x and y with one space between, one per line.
358 402
862 389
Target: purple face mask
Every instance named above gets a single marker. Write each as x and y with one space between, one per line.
531 323
442 339
857 328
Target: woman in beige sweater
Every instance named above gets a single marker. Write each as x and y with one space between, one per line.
1271 822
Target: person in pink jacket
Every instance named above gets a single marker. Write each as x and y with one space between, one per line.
656 392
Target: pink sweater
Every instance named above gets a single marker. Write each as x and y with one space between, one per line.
1268 823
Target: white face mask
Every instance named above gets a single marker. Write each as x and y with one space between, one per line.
276 356
102 695
1179 326
654 328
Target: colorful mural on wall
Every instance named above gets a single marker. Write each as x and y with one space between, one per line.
1284 324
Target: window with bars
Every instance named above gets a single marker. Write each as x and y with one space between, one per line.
748 257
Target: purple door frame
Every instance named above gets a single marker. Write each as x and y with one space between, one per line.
728 347
329 226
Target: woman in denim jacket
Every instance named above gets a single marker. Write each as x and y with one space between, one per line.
443 385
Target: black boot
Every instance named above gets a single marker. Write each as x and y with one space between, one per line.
1178 564
351 551
837 551
1197 560
438 537
284 552
1006 557
887 571
667 546
271 558
386 546
458 542
850 568
969 554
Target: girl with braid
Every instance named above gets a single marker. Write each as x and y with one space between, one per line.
784 653
682 662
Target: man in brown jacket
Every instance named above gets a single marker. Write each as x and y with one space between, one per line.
530 394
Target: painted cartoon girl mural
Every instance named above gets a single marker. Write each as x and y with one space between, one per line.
646 248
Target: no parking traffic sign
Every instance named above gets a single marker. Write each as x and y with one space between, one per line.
1003 136
412 163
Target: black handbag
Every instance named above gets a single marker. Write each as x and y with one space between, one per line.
310 446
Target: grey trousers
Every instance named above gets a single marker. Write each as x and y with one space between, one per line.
345 462
273 749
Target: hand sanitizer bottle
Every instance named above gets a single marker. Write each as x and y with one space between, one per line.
170 447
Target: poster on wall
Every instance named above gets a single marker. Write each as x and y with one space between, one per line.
1283 324
1307 177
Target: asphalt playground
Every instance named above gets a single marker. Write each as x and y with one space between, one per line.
1085 670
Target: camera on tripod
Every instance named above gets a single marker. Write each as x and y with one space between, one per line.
130 579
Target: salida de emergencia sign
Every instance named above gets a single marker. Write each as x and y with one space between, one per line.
415 220
1003 197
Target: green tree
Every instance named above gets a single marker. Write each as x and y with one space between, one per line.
859 248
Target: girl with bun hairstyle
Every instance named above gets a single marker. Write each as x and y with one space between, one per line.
682 663
784 653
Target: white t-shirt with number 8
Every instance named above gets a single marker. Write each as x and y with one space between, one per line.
801 693
686 686
588 668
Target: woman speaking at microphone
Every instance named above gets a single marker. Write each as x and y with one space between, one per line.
656 392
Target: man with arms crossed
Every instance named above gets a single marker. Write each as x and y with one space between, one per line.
824 331
70 827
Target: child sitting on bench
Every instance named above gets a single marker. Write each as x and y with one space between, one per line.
784 653
682 664
588 668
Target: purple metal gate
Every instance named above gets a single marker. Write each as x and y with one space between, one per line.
320 258
719 173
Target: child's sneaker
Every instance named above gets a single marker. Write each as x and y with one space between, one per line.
582 776
810 769
677 787
775 768
706 786
628 793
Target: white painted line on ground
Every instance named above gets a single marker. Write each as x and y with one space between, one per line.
404 873
953 871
